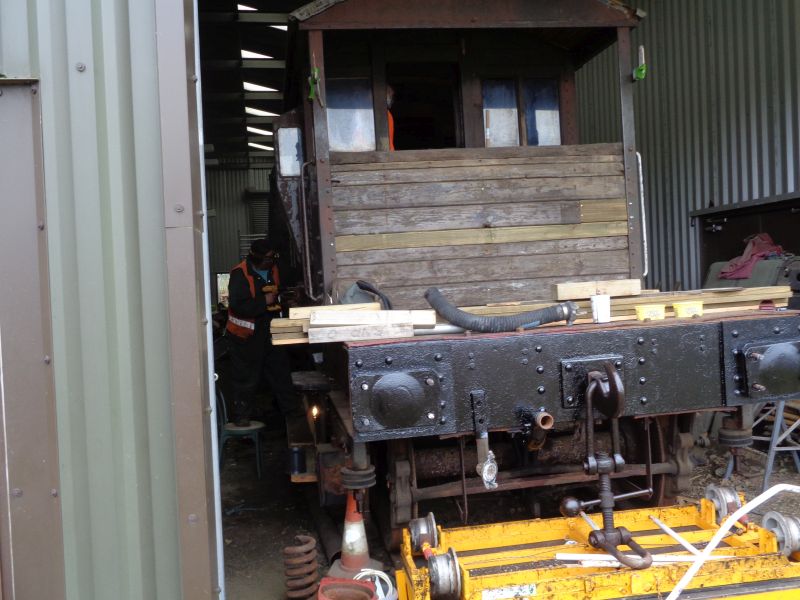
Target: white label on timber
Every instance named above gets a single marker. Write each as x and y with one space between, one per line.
512 592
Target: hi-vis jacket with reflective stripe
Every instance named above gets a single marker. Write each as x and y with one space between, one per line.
243 313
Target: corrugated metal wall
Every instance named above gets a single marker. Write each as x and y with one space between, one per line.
106 236
225 191
718 117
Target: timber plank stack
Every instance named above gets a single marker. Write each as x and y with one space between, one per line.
355 322
481 225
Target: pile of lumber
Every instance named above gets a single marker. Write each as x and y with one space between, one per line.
715 301
354 322
348 323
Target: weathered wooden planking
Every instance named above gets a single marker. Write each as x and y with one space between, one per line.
396 220
482 271
457 193
353 333
394 255
330 318
586 289
475 162
304 312
462 237
341 158
594 211
433 173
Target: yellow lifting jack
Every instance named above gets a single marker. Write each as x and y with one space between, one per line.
549 559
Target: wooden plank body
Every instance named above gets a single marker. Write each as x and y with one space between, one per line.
481 224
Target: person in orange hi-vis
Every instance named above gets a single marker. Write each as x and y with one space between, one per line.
389 117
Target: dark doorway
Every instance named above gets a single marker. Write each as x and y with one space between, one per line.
426 105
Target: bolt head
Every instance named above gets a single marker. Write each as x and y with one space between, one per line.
524 361
365 421
735 333
640 341
437 357
388 360
538 348
642 380
80 67
430 381
359 363
431 416
540 389
777 330
568 367
643 399
570 399
618 364
365 386
540 369
642 360
179 208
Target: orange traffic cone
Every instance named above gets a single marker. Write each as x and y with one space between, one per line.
355 551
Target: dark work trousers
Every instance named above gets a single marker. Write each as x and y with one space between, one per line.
252 360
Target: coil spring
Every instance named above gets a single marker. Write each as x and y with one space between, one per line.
301 568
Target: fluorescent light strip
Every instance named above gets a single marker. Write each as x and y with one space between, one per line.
259 146
251 54
257 112
259 131
255 87
244 8
281 27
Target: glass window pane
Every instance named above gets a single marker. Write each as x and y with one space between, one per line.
290 151
351 123
500 117
540 98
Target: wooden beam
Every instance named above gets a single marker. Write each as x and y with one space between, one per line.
331 318
585 289
324 190
355 333
304 312
461 237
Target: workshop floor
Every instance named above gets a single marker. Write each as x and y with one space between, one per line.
260 518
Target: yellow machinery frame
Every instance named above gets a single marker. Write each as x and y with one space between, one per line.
517 560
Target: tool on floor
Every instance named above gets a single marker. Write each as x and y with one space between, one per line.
301 568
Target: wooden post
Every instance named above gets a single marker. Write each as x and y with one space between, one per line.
568 106
316 56
378 57
626 83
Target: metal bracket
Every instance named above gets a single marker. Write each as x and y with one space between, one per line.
574 373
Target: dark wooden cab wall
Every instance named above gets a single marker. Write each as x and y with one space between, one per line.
482 223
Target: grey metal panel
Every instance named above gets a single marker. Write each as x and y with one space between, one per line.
225 190
31 548
105 197
717 118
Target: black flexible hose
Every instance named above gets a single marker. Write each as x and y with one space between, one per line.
566 311
368 287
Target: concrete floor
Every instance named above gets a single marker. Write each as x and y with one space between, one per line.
260 518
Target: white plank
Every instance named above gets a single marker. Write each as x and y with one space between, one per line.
353 333
327 318
585 289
